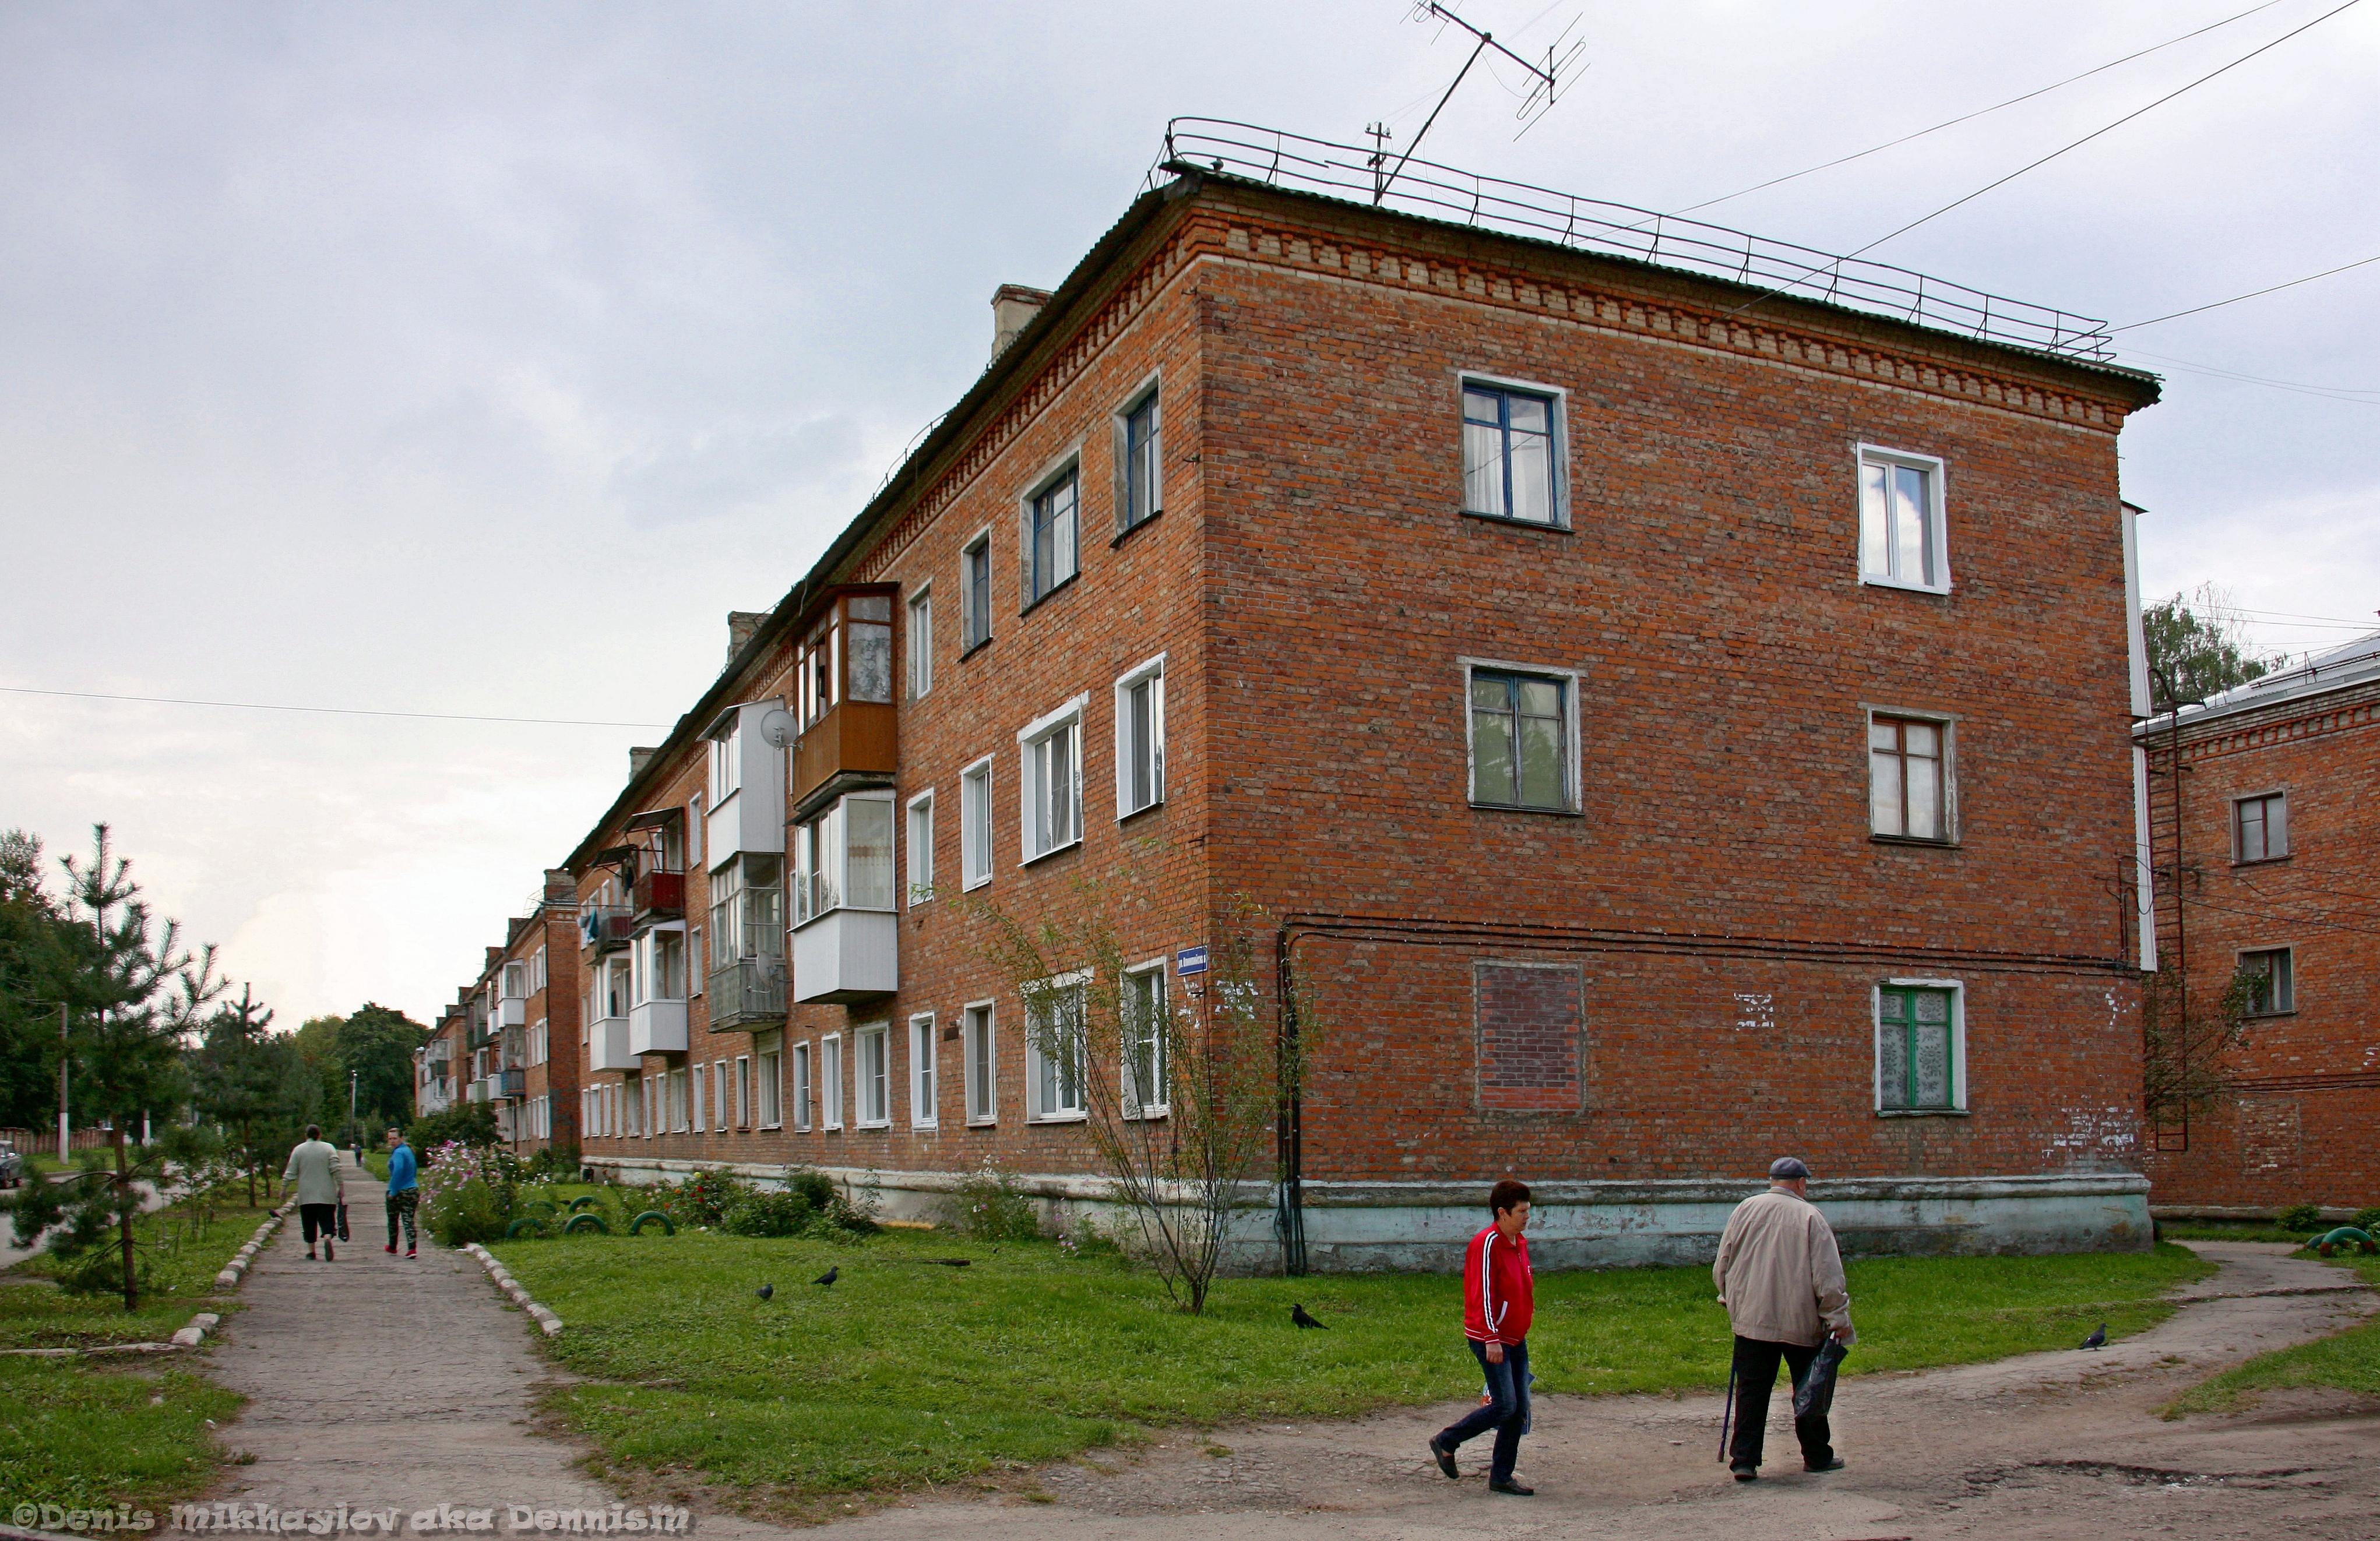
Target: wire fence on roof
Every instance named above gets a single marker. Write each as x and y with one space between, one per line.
1424 188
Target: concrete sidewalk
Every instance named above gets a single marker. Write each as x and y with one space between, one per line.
382 1383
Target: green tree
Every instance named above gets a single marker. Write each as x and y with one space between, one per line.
240 1075
34 954
133 995
2196 647
376 1048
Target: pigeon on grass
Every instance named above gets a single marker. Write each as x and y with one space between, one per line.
829 1277
2097 1339
1297 1315
765 1291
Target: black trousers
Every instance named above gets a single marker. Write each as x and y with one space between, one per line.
1755 1377
321 1217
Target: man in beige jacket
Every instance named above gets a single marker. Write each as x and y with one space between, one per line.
1781 1280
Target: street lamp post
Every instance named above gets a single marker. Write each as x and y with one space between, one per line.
352 1076
63 1057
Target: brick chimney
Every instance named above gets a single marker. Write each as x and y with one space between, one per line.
741 626
637 757
1013 308
561 888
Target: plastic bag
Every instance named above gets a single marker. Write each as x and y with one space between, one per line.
1815 1392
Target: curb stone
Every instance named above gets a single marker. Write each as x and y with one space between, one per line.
230 1276
189 1337
512 1287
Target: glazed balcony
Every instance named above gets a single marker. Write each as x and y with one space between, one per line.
607 1045
512 1083
847 957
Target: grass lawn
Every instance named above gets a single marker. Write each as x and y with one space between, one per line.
905 1372
84 1432
2349 1362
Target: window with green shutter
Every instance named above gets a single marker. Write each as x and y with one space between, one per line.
1917 1048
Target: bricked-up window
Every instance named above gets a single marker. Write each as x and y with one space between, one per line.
1508 460
1917 1047
1052 536
1528 1022
1140 738
1520 740
1051 750
921 643
975 824
1901 541
1909 778
1147 1078
975 571
2272 981
1056 1050
924 1106
1140 483
981 1052
2261 827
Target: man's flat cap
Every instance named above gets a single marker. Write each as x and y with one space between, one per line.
1786 1167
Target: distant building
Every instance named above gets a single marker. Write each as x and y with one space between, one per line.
2267 861
1617 690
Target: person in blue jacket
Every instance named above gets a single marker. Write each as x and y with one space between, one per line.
404 1190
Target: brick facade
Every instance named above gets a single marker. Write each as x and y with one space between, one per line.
1667 978
2299 1096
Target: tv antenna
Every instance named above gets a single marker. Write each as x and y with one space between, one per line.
1544 83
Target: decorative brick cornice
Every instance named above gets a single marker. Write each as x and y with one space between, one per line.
2311 719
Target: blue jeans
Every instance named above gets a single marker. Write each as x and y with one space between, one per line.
1508 1413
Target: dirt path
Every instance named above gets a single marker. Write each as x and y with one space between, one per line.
383 1383
2055 1445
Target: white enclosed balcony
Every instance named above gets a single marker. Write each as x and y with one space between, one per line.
655 1027
509 1010
846 937
847 955
607 1045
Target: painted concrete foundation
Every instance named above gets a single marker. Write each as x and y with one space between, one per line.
1423 1226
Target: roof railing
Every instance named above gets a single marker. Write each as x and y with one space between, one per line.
1218 146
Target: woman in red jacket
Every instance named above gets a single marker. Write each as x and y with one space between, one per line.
1498 1293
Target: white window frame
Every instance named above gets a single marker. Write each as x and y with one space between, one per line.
1572 683
918 831
1557 400
697 1078
1069 464
540 1042
979 1062
727 758
975 611
920 641
1959 1089
694 833
1150 389
1948 726
1034 1112
925 1080
805 1080
872 1077
537 976
1132 1106
831 1081
769 1080
1152 673
1938 517
1030 740
975 825
722 1088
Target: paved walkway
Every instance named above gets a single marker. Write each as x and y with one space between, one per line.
383 1383
387 1384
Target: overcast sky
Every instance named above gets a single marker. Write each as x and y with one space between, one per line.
478 358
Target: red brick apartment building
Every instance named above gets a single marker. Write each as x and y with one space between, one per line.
2272 874
1618 689
512 1039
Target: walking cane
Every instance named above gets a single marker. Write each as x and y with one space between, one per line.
1725 1417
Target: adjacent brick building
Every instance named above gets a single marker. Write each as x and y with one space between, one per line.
1619 693
2264 859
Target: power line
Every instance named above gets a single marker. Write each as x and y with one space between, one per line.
340 711
2056 153
2217 305
1966 117
2356 394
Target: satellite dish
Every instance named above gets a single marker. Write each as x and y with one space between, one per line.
777 727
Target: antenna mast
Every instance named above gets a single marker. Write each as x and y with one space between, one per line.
1540 97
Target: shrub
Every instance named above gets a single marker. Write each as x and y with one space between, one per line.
2368 1222
469 1193
989 1207
703 1198
463 1123
2299 1217
768 1214
554 1163
813 1185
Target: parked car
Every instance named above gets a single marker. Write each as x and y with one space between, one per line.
12 1166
